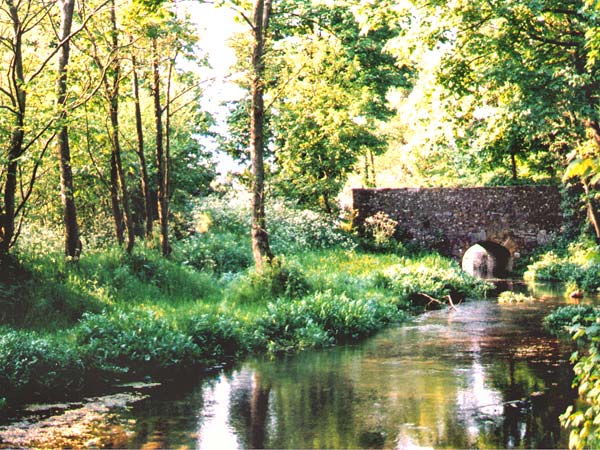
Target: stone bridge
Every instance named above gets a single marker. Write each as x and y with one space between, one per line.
452 220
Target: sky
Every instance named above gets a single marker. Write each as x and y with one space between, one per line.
215 27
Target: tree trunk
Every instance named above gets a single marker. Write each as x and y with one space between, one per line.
116 143
72 239
513 166
115 200
592 210
15 149
140 152
163 199
260 239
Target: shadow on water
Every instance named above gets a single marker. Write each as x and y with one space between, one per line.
485 376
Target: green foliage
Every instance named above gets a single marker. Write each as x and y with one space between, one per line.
561 320
218 335
514 297
136 341
583 324
380 233
31 364
579 264
322 319
433 276
278 279
218 253
291 229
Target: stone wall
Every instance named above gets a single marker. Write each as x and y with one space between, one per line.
452 219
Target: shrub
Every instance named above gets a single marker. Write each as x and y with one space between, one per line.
582 322
278 279
380 230
290 229
435 280
322 319
31 364
580 264
134 341
514 297
218 336
215 252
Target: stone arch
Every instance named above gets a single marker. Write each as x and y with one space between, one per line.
487 259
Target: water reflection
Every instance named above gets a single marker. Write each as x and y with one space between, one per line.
485 376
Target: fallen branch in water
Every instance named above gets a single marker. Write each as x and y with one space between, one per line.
437 301
433 300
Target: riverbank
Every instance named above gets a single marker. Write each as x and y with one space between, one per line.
71 327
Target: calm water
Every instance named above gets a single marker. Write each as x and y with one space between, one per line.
484 376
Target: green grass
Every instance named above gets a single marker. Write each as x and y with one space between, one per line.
116 316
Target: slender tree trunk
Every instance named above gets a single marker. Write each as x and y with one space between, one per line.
115 200
513 166
15 148
592 210
373 173
140 152
71 230
116 143
260 238
163 199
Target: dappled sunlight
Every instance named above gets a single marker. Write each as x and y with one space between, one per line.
96 423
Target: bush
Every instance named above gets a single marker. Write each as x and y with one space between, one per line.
322 319
436 278
290 229
582 322
32 365
135 341
217 253
380 232
567 318
218 336
514 297
278 279
580 264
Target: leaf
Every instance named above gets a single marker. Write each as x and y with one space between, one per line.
581 168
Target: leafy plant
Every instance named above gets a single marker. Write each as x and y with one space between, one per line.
134 341
381 229
31 364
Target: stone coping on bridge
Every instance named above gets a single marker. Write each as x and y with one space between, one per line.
452 219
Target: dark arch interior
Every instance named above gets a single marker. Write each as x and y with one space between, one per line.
487 259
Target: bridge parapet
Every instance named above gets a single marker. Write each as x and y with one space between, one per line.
452 219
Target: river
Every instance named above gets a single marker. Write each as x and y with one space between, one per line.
484 376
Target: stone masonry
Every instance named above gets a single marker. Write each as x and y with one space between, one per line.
452 219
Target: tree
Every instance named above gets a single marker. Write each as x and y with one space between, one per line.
260 238
71 227
503 73
27 50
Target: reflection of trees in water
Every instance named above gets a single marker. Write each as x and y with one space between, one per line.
530 367
438 384
249 410
277 409
168 419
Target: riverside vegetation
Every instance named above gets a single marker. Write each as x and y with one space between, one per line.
577 265
71 326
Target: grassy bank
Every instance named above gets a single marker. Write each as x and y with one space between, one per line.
67 326
576 264
117 316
